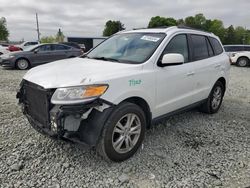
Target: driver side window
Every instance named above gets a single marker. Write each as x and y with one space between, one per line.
44 48
178 44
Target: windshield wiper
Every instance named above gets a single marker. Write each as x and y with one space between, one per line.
105 59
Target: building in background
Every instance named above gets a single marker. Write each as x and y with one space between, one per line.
89 42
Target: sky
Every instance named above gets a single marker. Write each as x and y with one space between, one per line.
88 18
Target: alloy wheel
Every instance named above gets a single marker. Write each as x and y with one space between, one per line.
126 133
217 96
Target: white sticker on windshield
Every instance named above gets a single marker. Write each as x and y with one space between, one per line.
150 38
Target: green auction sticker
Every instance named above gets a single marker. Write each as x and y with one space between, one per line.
134 82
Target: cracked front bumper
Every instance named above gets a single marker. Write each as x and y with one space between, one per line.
71 121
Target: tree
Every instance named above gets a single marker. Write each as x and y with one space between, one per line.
48 39
4 33
198 21
230 35
218 29
158 21
112 27
59 36
240 35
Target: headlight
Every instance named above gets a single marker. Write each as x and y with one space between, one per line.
7 56
233 54
79 94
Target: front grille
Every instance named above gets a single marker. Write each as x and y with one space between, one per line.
37 103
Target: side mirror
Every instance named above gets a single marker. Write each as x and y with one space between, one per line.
172 59
36 50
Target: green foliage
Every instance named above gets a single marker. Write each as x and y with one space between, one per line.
112 27
4 33
198 21
230 35
158 21
48 39
59 37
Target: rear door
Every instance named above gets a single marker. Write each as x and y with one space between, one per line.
203 63
61 51
206 63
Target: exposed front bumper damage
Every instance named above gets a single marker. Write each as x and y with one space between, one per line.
79 123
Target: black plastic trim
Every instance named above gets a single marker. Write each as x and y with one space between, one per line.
181 110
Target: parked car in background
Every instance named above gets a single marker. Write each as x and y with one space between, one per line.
22 46
26 44
109 98
13 48
230 49
83 47
38 54
3 49
73 44
241 59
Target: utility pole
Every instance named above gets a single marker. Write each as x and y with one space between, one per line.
37 28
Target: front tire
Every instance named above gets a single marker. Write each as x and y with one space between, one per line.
213 103
123 133
242 62
22 64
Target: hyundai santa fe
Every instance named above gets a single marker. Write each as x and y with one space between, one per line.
109 97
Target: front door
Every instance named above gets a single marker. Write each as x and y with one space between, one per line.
175 83
42 54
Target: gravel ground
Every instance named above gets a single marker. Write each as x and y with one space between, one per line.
187 150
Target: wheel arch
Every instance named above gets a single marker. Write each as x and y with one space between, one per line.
243 57
143 105
223 81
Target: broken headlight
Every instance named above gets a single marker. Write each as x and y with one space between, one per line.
78 94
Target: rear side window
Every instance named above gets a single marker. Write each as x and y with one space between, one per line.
200 49
179 45
216 46
61 47
210 50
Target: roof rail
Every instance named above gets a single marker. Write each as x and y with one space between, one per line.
139 28
191 28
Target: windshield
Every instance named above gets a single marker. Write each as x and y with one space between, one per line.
128 48
30 48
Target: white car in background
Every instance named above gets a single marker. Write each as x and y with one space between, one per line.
3 50
27 44
241 59
109 97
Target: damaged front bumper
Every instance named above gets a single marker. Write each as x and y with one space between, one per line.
79 122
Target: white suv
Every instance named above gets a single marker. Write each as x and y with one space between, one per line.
130 81
241 59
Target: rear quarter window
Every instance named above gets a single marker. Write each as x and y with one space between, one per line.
200 48
216 46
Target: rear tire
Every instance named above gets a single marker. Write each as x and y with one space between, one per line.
242 62
123 133
22 64
213 103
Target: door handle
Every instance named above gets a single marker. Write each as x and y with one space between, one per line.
190 74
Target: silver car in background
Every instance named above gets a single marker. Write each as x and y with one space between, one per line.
38 54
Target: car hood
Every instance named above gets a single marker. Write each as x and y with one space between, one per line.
77 71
